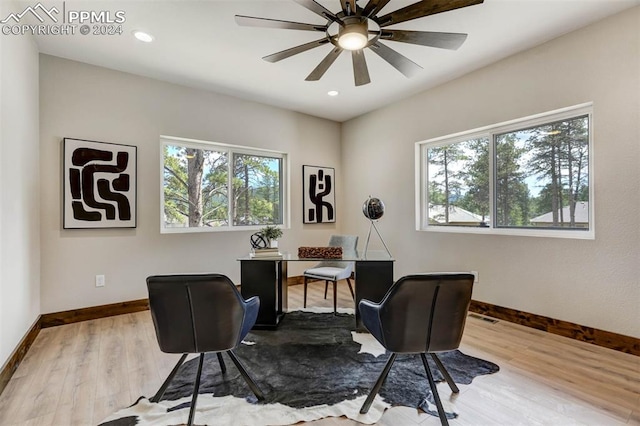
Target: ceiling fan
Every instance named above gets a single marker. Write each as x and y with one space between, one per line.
355 28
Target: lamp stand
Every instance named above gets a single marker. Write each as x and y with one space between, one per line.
366 246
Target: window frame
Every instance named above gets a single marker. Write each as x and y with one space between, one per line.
422 173
231 150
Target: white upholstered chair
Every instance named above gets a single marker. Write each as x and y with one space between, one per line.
334 271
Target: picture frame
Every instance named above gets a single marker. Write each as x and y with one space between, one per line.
100 184
319 200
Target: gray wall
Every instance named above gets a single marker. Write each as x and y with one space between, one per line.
19 189
589 282
88 102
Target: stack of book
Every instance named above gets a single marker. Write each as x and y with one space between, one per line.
266 252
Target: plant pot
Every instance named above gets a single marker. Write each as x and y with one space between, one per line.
273 243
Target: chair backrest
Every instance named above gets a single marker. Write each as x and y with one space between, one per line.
195 313
349 243
426 312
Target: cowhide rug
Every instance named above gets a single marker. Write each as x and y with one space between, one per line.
312 366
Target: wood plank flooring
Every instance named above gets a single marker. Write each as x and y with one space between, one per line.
78 374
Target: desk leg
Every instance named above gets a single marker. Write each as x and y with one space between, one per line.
283 290
268 280
373 279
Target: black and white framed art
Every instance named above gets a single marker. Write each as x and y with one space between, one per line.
99 184
319 199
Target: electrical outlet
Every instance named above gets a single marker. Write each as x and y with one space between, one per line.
476 279
99 280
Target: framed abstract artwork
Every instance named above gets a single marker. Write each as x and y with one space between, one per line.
99 184
319 199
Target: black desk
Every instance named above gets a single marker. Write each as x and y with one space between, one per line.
267 278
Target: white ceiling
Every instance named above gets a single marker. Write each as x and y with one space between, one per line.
199 44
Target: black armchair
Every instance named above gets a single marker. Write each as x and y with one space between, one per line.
423 314
199 314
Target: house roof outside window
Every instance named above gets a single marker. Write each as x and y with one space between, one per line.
582 216
457 216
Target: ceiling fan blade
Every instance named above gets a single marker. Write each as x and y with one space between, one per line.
423 8
373 7
349 6
360 70
250 21
323 66
317 8
295 50
400 62
451 41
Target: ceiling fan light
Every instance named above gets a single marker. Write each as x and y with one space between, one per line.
353 41
353 36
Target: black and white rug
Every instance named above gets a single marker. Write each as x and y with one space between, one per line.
313 366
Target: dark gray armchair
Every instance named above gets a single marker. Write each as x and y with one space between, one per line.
199 314
420 314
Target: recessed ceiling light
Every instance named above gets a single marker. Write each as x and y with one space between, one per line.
142 36
333 93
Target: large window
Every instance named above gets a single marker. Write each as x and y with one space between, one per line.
212 186
525 177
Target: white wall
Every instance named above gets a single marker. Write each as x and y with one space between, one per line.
87 102
593 283
19 189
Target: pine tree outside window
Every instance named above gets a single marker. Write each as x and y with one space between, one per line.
531 176
210 186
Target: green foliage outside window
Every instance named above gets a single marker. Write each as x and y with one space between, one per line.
539 177
199 192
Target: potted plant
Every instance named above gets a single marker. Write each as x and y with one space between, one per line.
271 233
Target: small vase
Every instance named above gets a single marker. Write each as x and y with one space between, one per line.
273 243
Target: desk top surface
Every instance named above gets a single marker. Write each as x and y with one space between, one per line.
370 256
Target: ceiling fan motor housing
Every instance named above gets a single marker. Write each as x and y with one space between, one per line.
354 35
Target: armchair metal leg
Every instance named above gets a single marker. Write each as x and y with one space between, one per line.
445 373
252 385
326 287
223 367
304 303
376 388
353 296
436 396
196 388
165 385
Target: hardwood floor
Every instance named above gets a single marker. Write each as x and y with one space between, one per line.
78 374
